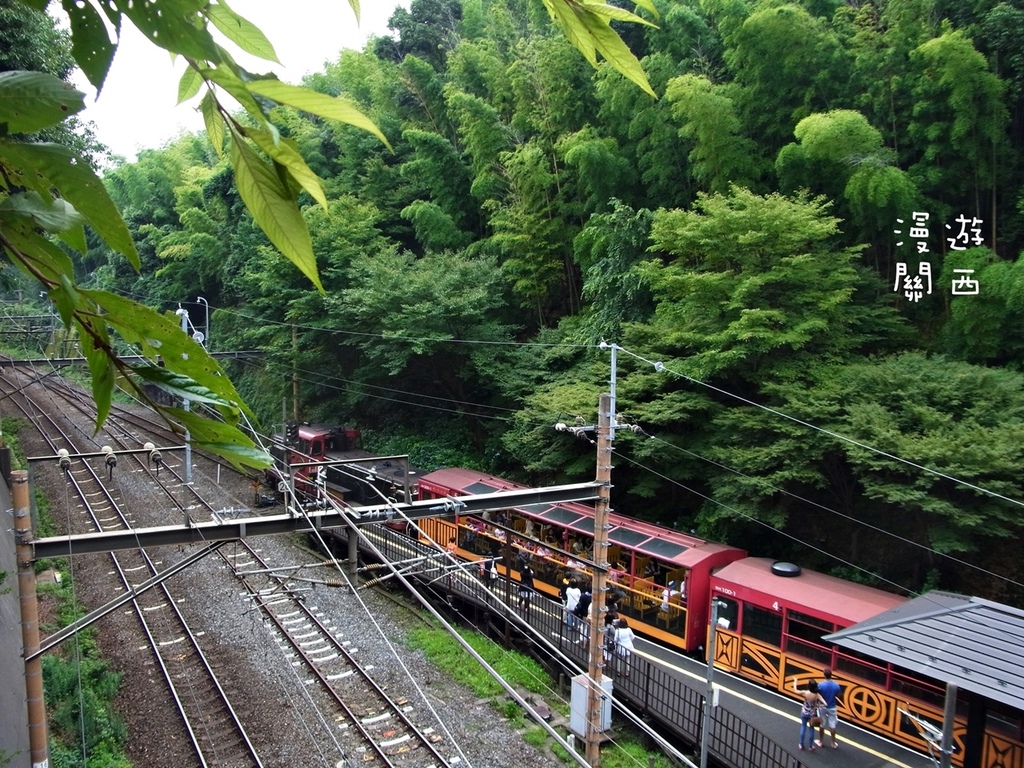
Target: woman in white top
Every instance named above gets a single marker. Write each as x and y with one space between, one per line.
624 638
572 599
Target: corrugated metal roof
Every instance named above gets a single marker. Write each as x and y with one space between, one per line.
974 643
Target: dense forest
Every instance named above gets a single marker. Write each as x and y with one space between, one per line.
818 221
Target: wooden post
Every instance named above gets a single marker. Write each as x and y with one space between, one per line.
595 691
29 620
295 373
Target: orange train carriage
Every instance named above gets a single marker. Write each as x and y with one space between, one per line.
771 620
769 628
663 581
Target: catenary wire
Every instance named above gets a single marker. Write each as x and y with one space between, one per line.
825 508
659 366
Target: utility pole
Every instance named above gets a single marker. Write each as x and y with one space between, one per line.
709 694
183 314
37 738
295 373
595 691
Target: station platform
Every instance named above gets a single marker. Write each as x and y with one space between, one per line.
778 718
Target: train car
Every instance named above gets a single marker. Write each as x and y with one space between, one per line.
350 475
660 577
771 620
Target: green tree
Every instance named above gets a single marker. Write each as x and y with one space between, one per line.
421 322
959 122
647 134
789 65
840 155
754 289
986 329
959 420
721 155
426 30
609 251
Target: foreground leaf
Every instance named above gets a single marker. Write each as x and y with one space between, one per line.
320 104
44 167
224 439
90 44
284 152
51 215
158 334
179 386
588 27
273 208
95 347
241 31
30 101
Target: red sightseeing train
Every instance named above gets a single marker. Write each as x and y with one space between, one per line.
771 617
770 623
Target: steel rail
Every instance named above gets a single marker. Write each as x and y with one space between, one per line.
244 742
395 708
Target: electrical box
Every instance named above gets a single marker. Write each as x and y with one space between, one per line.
578 705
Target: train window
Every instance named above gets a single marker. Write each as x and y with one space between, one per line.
762 625
1004 720
728 613
907 685
808 624
803 636
854 664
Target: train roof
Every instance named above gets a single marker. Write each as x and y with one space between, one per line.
662 543
310 431
845 602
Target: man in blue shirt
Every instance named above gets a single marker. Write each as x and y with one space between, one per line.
829 691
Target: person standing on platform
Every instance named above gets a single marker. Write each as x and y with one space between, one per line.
809 714
572 599
452 548
624 638
582 612
829 690
525 588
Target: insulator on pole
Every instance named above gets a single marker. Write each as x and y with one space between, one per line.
111 460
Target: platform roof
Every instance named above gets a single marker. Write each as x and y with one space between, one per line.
973 643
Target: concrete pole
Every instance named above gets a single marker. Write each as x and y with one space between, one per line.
595 692
948 725
37 737
709 695
183 314
295 373
353 550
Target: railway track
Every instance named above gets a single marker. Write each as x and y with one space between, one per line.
398 736
381 729
217 734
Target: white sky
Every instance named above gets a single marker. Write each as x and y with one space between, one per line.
136 108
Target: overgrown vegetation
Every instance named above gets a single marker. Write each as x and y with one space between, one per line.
521 672
739 230
84 728
524 674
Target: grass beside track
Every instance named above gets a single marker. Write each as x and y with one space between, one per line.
524 674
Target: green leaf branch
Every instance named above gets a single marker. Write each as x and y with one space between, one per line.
48 193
